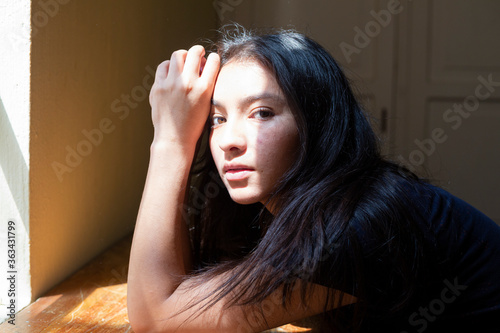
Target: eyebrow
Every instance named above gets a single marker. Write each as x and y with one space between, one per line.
251 99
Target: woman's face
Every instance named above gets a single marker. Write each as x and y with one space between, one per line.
254 138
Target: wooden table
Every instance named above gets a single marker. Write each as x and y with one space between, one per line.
92 300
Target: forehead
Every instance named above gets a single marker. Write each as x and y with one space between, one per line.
243 78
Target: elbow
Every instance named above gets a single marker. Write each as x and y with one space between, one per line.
146 322
138 327
141 315
141 321
144 326
138 324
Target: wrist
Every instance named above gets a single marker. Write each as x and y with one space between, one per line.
174 151
175 137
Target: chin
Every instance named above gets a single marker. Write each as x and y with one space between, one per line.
244 198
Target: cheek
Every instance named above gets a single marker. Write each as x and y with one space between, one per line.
279 150
213 147
290 146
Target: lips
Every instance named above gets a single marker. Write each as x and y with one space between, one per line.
237 172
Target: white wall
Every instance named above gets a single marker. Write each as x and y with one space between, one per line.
76 124
14 149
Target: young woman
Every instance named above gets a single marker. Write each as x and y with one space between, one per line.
285 210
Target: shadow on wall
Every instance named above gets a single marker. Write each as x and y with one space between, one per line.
14 167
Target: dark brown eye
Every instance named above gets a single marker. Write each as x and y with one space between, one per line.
263 114
217 120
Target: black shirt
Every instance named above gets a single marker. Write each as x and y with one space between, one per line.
458 287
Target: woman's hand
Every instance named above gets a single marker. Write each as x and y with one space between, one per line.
161 252
180 96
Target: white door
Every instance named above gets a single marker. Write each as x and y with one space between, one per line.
448 109
359 34
429 70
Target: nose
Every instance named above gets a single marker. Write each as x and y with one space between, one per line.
231 137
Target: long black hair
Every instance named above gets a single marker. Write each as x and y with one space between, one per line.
338 209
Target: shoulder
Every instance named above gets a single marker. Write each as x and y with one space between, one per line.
460 252
410 246
450 220
463 239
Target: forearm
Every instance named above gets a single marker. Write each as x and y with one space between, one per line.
161 248
161 255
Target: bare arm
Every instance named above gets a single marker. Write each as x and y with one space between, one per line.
160 253
180 100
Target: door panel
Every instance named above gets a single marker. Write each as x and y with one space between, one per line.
359 34
425 65
464 159
450 49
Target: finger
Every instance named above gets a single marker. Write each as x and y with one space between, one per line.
202 65
160 76
193 60
211 68
162 71
177 61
